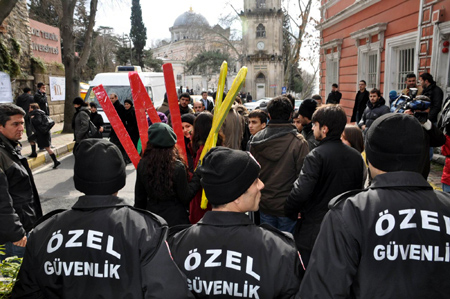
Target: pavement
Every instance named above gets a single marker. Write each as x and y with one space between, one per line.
63 144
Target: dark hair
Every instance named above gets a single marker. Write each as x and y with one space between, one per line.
291 98
129 102
363 82
257 113
34 106
202 126
26 89
410 75
204 92
8 110
160 163
377 91
316 97
296 115
238 100
185 95
280 108
354 136
334 85
93 105
332 116
40 84
427 77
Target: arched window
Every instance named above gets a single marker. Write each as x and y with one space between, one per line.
260 3
260 31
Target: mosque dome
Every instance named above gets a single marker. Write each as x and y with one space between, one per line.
190 18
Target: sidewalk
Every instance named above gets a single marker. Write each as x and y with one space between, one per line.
63 143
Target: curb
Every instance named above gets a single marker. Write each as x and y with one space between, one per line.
44 158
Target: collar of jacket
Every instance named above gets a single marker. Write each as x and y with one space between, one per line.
330 139
406 179
89 202
308 128
279 121
11 146
225 219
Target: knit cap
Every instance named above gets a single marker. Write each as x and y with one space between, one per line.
161 135
307 108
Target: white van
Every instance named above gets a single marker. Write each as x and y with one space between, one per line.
119 84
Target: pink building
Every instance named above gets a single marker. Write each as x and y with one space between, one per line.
380 41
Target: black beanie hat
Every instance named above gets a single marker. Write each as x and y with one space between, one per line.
227 174
188 118
161 135
395 142
99 167
78 101
307 108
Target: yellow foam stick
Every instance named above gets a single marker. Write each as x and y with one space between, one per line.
219 94
221 115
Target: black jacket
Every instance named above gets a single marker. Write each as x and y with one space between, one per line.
81 123
436 96
130 123
24 101
121 112
225 255
97 120
19 201
388 241
361 100
372 112
41 99
101 248
308 133
328 170
334 97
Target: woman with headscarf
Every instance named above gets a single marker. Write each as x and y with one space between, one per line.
130 122
161 179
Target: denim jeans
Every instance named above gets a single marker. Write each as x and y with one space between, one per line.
445 187
282 223
12 250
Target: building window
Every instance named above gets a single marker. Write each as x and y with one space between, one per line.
260 3
405 65
368 68
332 72
399 61
260 31
373 71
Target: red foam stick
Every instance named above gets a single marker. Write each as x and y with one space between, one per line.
117 124
142 101
174 108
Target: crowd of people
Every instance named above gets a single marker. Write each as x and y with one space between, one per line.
301 204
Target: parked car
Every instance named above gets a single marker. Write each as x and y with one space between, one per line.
256 105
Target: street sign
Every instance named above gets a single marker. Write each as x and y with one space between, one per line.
283 90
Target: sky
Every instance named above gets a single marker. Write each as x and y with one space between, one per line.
160 15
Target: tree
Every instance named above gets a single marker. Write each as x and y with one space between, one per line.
5 8
50 15
138 32
207 63
295 34
153 63
73 63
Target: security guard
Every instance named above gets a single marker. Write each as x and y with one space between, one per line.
225 255
102 247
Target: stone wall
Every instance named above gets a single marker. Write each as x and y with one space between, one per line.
16 30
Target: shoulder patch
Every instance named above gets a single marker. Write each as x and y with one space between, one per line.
336 200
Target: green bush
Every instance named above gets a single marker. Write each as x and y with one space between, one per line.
9 269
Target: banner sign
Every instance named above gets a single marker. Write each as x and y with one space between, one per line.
57 88
5 88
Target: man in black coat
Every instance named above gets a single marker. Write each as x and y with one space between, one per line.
19 201
101 247
225 255
361 99
434 92
328 170
334 97
24 101
120 108
40 98
392 239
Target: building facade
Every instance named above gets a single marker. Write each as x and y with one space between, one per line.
381 41
262 34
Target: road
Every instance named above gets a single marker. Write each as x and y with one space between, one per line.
57 190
